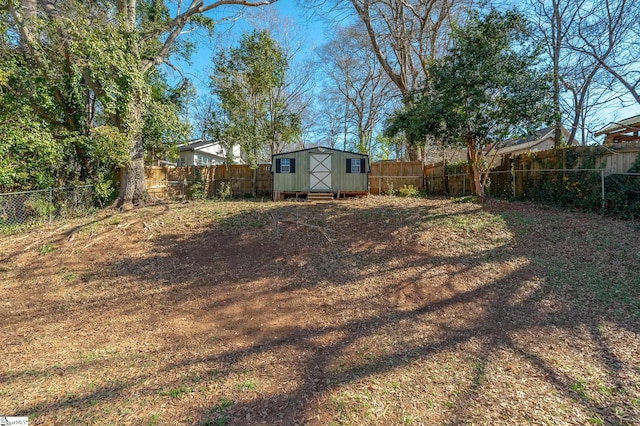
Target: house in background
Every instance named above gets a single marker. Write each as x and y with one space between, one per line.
199 152
320 173
626 130
541 140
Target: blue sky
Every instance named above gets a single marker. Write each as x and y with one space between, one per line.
313 33
225 35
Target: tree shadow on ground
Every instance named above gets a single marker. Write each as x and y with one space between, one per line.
333 300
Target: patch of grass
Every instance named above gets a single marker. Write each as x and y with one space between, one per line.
480 373
353 407
480 223
153 420
220 421
89 356
4 270
218 410
213 372
36 373
596 420
605 391
223 402
46 248
465 199
246 385
176 393
34 412
409 419
339 404
580 389
88 276
91 403
69 276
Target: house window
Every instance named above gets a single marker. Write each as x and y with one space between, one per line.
356 165
285 165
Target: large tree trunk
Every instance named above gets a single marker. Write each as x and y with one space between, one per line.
133 189
413 150
474 159
254 183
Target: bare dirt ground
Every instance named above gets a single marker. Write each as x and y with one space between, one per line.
373 311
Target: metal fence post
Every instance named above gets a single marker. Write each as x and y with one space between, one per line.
50 205
603 190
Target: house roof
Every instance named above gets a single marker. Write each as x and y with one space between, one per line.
631 123
537 136
196 144
526 142
321 148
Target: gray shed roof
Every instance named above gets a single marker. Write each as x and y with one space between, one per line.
320 148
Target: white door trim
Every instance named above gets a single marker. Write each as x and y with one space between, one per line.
320 172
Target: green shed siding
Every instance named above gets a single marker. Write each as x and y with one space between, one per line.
341 181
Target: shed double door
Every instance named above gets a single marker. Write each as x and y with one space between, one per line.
320 172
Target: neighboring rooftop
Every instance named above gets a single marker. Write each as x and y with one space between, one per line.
200 144
536 136
540 140
621 131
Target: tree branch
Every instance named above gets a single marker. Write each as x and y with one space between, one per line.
177 24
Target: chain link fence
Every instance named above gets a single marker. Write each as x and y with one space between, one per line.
32 207
616 194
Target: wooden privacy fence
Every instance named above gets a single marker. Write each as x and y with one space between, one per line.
179 182
166 182
389 176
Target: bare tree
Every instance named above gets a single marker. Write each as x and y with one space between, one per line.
609 33
296 94
329 120
356 81
405 36
593 50
554 18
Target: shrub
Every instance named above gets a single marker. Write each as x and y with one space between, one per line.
196 190
409 191
224 191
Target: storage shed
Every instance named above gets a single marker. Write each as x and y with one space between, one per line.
320 173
